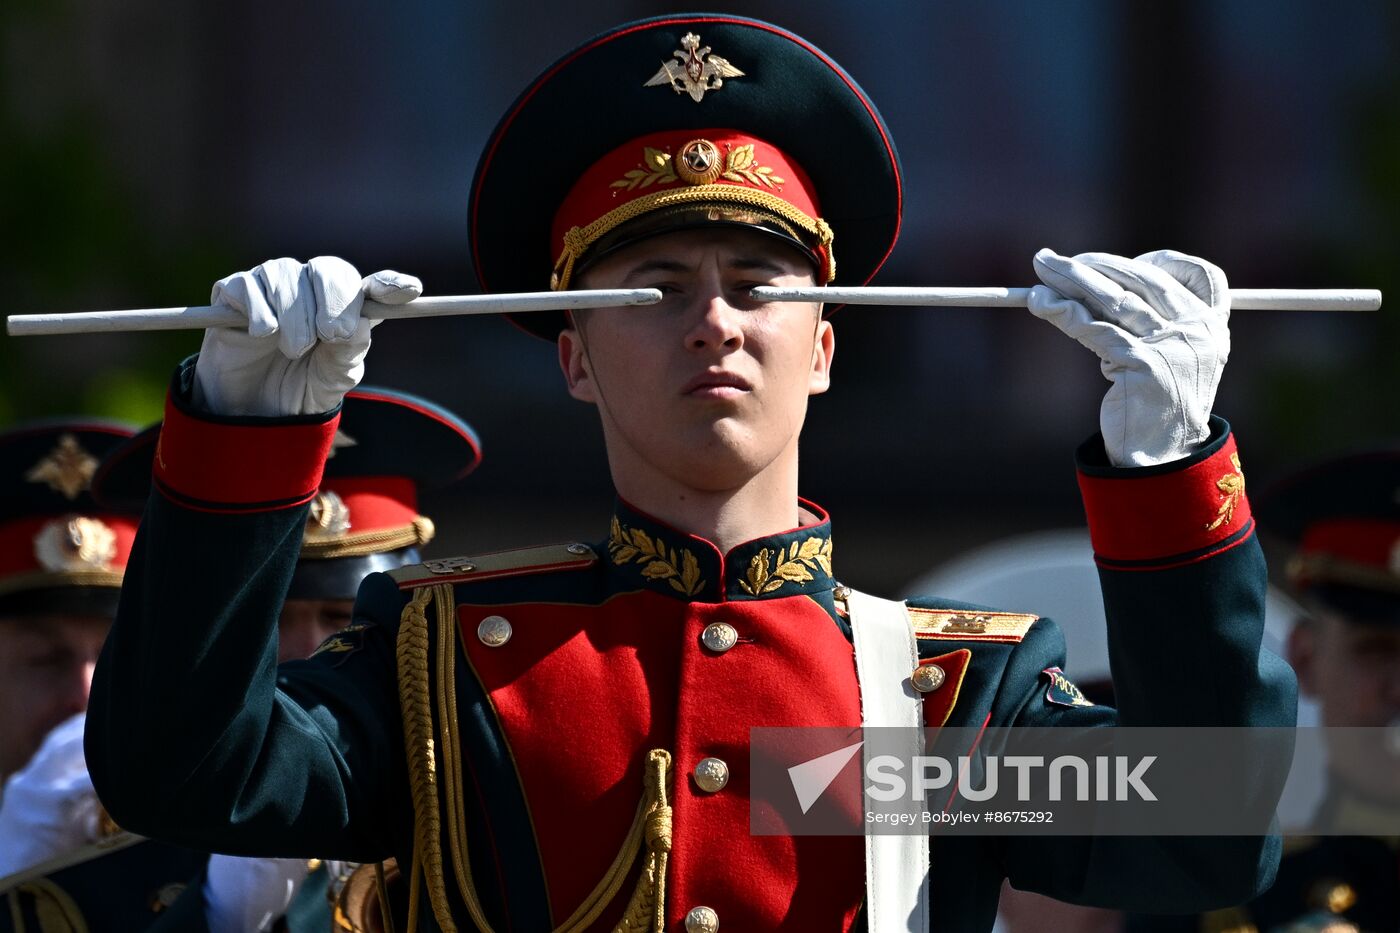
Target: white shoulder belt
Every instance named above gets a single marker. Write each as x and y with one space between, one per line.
896 866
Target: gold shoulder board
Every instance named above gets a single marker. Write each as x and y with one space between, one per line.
969 625
517 562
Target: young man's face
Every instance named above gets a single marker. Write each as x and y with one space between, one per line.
1352 669
709 387
46 667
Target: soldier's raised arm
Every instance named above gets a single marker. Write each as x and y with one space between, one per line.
1183 584
193 734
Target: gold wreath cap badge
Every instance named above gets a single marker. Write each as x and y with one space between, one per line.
75 543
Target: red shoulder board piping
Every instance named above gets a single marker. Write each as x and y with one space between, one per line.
513 563
970 625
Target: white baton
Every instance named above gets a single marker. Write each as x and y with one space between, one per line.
200 317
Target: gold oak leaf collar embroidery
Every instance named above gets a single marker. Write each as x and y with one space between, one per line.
665 560
768 571
678 567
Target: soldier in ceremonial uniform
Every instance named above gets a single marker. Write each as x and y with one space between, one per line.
62 556
558 737
364 520
61 563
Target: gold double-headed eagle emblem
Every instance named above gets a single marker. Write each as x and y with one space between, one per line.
696 70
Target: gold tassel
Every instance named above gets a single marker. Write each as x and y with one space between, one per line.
646 911
417 711
658 833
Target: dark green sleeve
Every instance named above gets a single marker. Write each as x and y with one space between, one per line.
1185 650
1183 582
196 736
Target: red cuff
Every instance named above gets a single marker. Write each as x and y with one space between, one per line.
249 465
1165 519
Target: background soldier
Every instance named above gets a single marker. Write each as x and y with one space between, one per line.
62 556
364 520
61 563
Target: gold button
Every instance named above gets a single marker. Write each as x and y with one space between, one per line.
719 637
841 592
1334 896
494 631
698 162
701 920
711 774
928 678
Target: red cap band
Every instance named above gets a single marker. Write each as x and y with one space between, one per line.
376 503
680 167
1365 541
65 544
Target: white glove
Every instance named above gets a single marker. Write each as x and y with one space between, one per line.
1160 325
246 894
49 807
305 343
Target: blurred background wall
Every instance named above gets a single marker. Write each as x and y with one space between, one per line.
147 149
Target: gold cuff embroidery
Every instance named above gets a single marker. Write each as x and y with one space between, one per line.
1231 486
